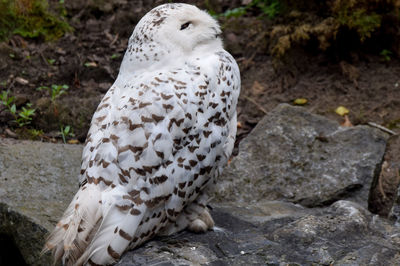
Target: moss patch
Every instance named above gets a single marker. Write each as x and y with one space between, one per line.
32 19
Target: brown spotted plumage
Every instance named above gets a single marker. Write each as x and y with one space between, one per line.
158 140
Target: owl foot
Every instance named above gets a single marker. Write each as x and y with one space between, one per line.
202 223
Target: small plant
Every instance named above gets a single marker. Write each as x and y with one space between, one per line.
66 132
5 99
270 8
35 133
25 115
22 117
55 91
386 55
115 56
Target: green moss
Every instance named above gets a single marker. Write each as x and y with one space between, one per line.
393 124
32 19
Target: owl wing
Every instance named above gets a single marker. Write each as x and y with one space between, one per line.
156 140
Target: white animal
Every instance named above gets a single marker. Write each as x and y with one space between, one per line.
158 140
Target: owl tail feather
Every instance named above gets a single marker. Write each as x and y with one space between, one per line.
116 231
77 227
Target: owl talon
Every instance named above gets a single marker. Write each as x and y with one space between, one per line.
203 223
198 226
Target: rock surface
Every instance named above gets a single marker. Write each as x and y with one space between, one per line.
384 197
260 219
343 234
296 156
37 182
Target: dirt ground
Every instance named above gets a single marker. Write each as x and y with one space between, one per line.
88 59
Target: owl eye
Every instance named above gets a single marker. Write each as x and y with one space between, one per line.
185 25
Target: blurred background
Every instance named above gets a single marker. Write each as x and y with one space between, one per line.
59 57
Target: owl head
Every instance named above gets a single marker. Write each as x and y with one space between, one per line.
178 27
168 34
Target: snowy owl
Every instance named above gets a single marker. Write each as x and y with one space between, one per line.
158 140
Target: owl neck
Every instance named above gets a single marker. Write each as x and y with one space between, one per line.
153 56
207 47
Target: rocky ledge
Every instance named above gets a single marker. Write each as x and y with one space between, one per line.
296 194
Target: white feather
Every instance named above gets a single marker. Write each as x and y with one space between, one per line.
161 134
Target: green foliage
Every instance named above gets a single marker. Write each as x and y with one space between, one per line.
55 91
393 124
34 133
115 56
5 99
236 12
66 132
32 19
269 8
357 20
356 15
22 117
25 115
386 55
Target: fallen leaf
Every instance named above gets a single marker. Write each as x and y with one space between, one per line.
73 141
300 101
90 64
60 51
10 133
21 81
341 110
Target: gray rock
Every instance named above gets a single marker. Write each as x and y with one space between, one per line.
384 197
37 182
297 156
395 211
343 234
260 223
